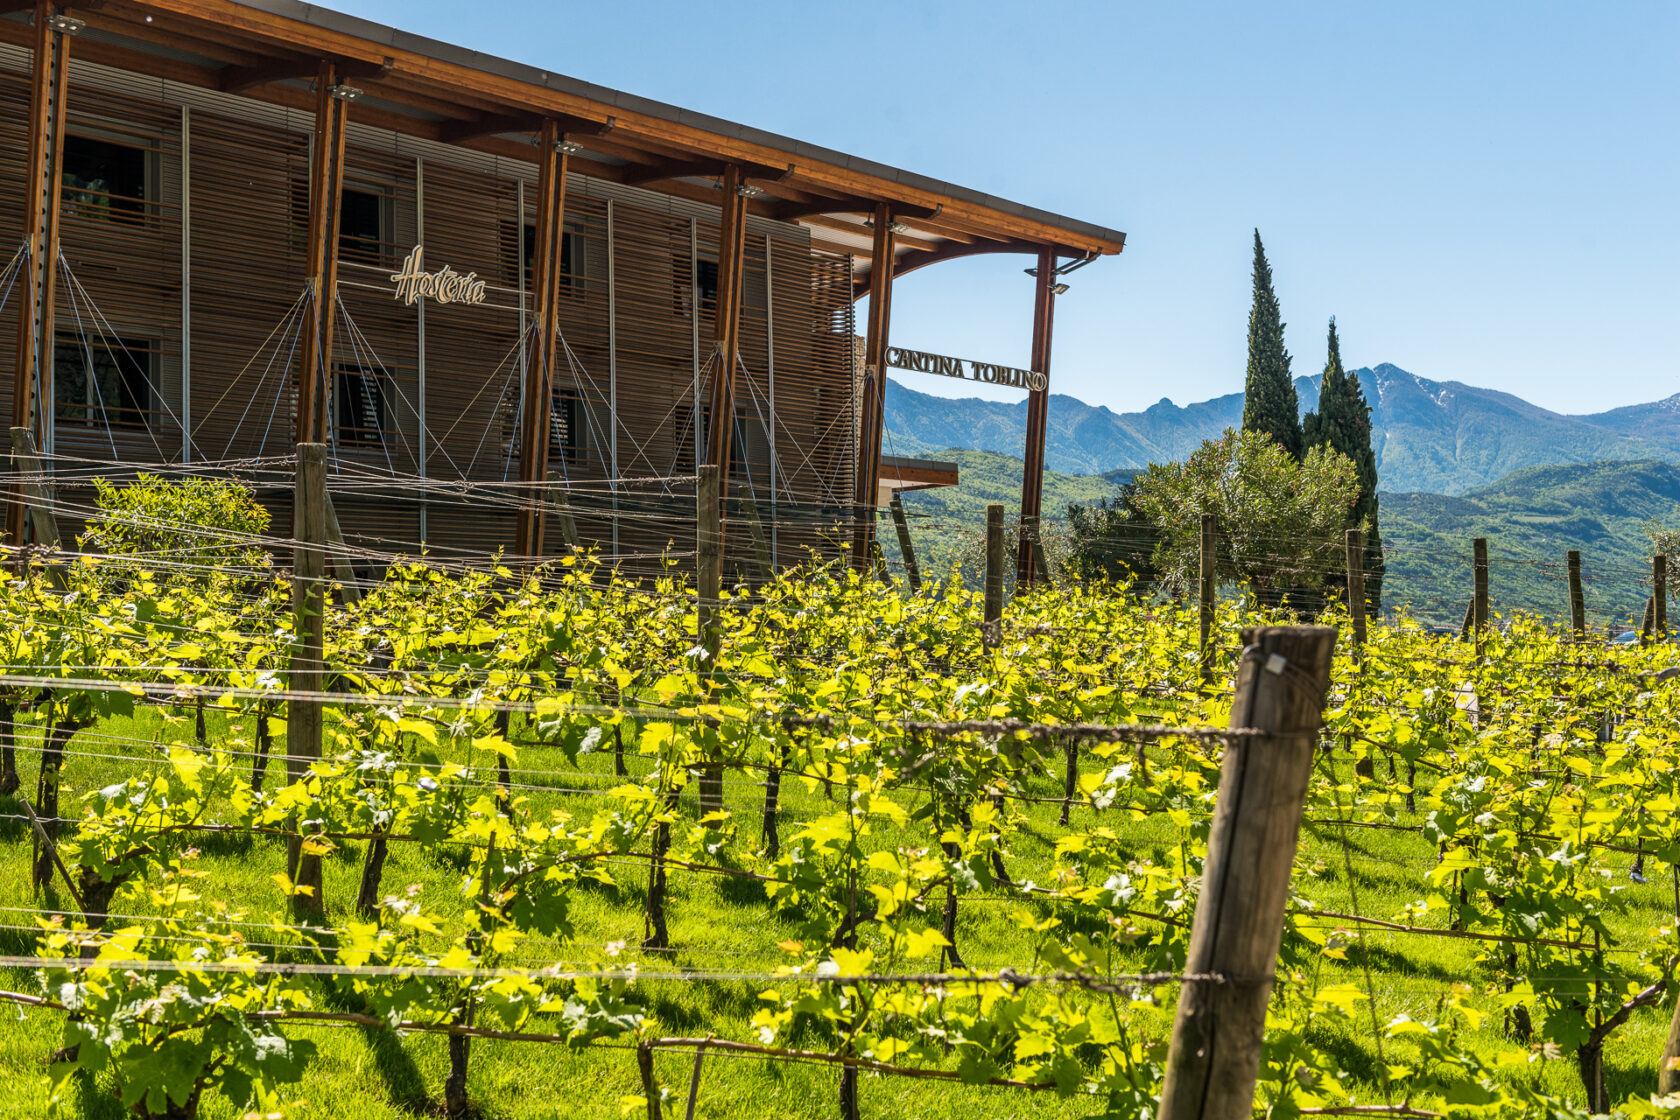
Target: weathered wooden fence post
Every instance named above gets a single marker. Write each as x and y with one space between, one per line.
1659 594
1668 1069
303 716
907 547
1356 584
993 628
708 589
1480 567
1208 584
25 461
1577 597
1214 1060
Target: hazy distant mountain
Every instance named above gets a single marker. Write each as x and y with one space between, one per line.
1531 518
1439 436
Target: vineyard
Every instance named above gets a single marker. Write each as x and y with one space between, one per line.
582 845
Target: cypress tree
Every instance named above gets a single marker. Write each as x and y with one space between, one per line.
1269 402
1343 423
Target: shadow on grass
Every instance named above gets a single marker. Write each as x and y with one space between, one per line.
404 1084
96 1103
1388 960
15 826
732 1000
1625 1075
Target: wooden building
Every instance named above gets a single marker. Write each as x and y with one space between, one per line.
238 226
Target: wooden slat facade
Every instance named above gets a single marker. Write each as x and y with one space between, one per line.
202 276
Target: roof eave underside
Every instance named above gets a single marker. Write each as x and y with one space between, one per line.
267 49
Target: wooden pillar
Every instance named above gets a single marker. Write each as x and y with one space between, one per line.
33 373
540 346
1038 414
326 186
1214 1059
874 387
726 331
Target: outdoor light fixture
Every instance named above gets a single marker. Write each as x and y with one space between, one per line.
344 93
1058 289
898 227
747 190
65 25
568 147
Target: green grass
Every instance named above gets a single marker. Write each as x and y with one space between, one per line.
720 924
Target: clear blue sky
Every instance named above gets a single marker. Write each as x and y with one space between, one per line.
1481 192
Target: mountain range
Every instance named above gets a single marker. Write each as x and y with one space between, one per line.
1444 437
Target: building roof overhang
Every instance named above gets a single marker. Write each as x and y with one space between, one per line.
271 49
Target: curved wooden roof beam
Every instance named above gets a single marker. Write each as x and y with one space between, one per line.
910 262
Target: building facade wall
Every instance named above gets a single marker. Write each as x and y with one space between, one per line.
200 280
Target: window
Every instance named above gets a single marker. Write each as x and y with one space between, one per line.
100 381
364 223
359 405
362 226
565 436
706 282
573 252
749 448
104 180
755 289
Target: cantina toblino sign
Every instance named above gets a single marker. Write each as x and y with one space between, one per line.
920 362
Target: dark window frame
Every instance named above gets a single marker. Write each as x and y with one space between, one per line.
353 430
130 375
98 198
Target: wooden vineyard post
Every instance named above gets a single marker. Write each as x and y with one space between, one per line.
341 558
26 462
992 632
1480 566
708 543
1577 597
303 717
1214 1060
1207 583
1659 594
905 545
755 527
1668 1069
1356 584
1033 542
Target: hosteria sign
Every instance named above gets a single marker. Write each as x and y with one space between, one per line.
443 286
899 358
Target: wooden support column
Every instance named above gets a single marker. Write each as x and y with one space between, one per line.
541 346
33 373
326 186
726 331
1038 413
874 388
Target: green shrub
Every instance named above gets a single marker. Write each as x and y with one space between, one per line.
201 522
